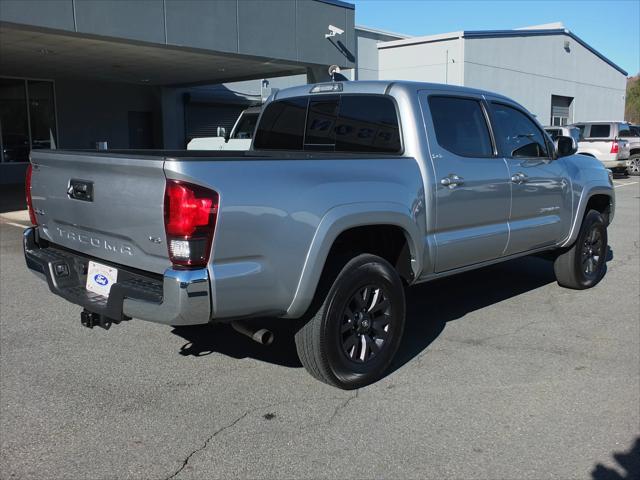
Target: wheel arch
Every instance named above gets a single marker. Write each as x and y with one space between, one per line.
598 197
345 223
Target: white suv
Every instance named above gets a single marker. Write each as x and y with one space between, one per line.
602 141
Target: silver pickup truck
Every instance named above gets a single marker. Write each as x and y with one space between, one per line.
351 192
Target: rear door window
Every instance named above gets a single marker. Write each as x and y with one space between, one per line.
518 135
600 130
460 126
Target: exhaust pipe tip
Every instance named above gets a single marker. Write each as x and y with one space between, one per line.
262 336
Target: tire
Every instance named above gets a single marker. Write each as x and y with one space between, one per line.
584 264
354 335
634 165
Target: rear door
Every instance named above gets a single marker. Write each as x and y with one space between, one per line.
105 205
541 189
472 182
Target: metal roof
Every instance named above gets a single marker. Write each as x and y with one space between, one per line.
524 32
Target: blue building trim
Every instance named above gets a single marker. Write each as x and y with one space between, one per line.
339 3
537 33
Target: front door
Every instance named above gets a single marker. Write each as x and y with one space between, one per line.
472 190
541 193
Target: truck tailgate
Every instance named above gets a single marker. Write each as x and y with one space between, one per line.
104 205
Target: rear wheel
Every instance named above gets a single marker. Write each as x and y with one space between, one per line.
634 165
584 264
353 337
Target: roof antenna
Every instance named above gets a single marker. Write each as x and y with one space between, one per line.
336 76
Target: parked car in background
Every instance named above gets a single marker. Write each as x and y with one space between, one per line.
238 139
602 140
632 135
334 210
555 132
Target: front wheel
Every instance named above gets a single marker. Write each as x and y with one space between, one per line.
353 337
634 165
584 264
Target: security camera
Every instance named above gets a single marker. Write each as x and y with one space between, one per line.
333 31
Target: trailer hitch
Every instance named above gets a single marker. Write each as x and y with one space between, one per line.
90 319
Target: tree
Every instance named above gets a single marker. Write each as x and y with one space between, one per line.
632 105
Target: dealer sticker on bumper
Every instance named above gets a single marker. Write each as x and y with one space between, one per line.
100 278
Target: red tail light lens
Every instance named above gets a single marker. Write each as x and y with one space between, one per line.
190 213
615 148
27 191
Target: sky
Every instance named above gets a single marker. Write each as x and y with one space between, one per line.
611 27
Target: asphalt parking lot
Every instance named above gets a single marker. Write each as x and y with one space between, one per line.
502 374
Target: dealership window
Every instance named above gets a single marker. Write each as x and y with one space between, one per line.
27 118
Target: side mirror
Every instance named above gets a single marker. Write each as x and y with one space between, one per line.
565 146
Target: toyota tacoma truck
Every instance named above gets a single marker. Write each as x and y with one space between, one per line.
351 192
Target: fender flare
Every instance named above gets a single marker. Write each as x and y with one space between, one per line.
589 190
340 219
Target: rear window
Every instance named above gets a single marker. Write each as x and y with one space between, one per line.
282 125
331 123
600 131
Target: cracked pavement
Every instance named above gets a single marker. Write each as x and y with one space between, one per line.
502 374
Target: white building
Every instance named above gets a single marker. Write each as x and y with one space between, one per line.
546 68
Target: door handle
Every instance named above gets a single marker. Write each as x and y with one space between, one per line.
519 178
452 181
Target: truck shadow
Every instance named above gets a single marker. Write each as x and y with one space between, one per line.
430 307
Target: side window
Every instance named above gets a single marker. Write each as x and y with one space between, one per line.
246 126
282 125
624 130
460 126
518 134
367 123
600 131
554 133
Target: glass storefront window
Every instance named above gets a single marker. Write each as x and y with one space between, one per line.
14 123
42 114
27 118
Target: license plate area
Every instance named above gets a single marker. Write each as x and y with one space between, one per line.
100 278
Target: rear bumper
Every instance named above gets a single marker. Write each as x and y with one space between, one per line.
617 163
178 297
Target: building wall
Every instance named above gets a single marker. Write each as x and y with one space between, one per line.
95 111
438 62
367 53
531 69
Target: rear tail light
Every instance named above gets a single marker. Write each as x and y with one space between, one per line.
27 192
190 213
615 148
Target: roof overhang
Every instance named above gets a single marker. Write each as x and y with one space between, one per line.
40 53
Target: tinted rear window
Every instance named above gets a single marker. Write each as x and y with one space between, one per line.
600 131
282 125
367 124
460 126
334 123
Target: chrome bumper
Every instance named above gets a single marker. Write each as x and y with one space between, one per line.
181 297
185 300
